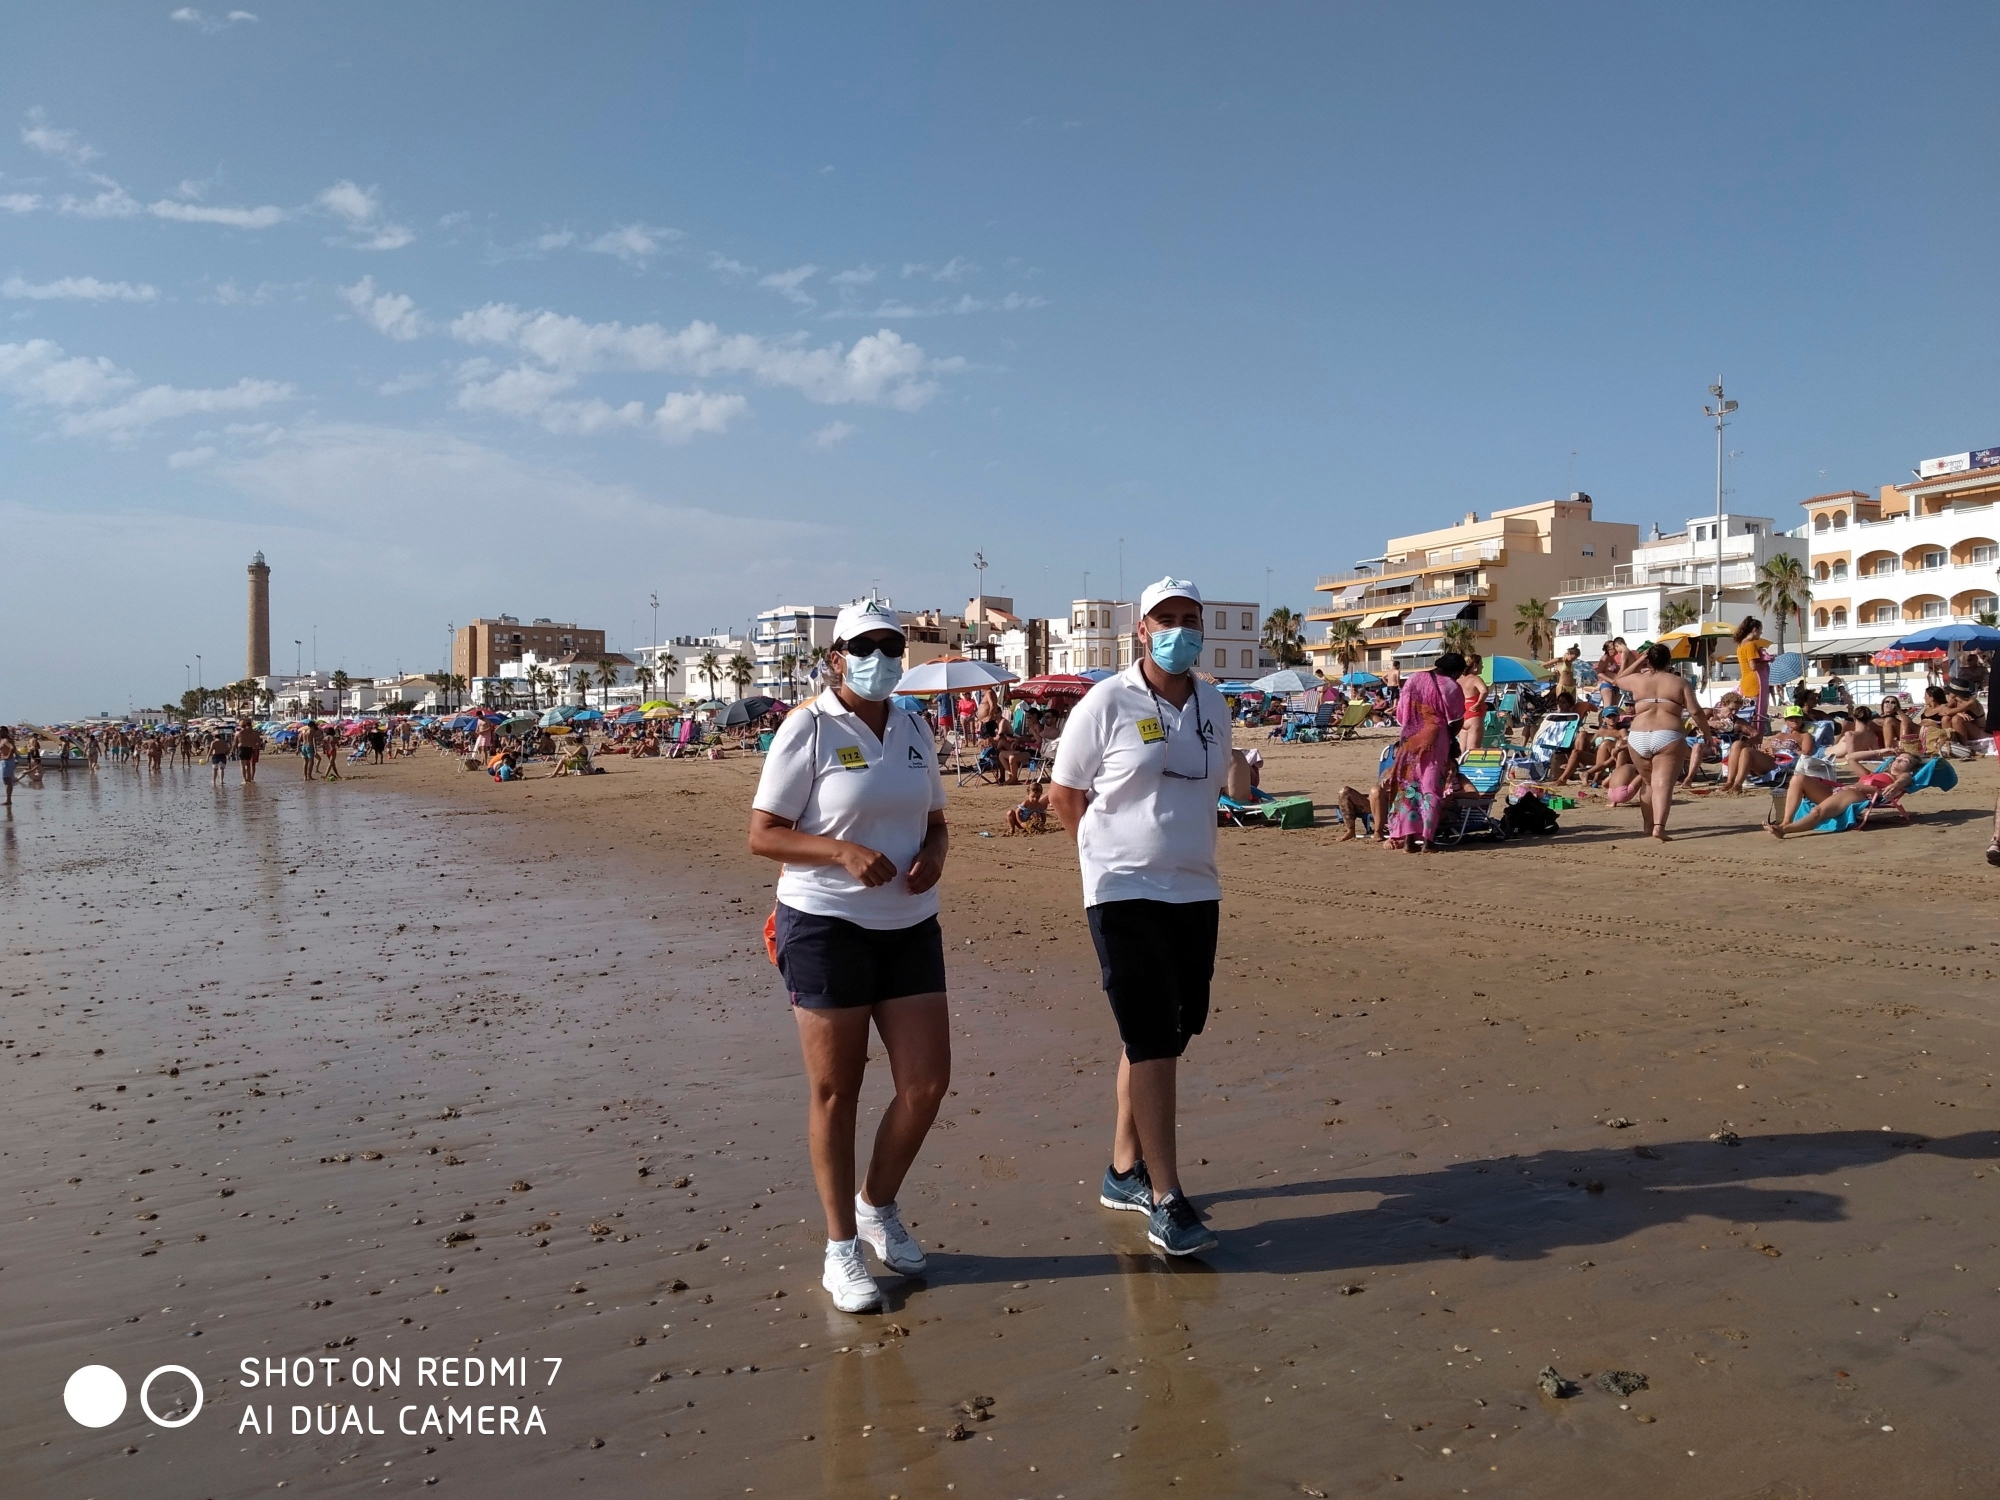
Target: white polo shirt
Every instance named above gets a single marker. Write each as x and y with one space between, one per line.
829 775
1146 835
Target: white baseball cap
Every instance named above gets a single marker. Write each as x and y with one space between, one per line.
864 615
1167 588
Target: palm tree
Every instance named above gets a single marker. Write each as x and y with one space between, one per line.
1349 642
644 677
1678 612
739 671
1282 629
340 681
788 665
1534 621
1784 588
666 665
1458 636
710 667
607 678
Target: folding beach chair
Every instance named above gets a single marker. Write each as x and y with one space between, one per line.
1351 718
1463 814
1555 735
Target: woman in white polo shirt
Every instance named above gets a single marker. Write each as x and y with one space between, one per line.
1137 773
852 805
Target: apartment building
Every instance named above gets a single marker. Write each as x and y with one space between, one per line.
793 631
1911 554
1680 567
1233 641
1475 572
478 649
1098 633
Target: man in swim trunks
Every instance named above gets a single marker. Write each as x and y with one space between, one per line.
249 745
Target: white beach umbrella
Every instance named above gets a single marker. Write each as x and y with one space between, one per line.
952 675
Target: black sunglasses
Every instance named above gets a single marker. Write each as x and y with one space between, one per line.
893 648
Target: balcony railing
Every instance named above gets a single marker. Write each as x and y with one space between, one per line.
1365 606
1437 558
1417 632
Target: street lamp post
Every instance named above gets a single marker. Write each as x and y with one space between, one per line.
979 596
1720 412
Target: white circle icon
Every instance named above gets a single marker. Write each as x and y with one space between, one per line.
146 1387
95 1395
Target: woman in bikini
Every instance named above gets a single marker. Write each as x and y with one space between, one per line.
1814 783
1662 702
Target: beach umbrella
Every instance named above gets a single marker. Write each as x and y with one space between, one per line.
664 711
1499 669
743 710
1288 680
713 705
1787 667
560 714
952 674
1096 674
1361 679
1958 633
652 703
519 725
1052 687
906 703
585 716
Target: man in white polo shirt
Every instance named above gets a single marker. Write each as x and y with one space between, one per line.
1138 769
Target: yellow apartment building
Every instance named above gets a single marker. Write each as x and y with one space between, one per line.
1476 571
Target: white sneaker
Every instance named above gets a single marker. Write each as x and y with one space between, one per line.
853 1289
881 1229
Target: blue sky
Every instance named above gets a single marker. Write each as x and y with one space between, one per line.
456 309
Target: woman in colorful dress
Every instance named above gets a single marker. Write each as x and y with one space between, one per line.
1430 711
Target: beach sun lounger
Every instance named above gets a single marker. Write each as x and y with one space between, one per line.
1554 736
1473 813
1265 811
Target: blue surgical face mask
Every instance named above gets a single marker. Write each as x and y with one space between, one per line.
873 677
1175 650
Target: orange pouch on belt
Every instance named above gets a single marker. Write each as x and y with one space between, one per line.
771 936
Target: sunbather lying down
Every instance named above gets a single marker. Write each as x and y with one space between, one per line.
1816 800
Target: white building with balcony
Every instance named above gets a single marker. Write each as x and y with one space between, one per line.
784 639
1631 599
1927 552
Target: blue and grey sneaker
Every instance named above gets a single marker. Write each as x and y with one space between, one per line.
1177 1228
1131 1190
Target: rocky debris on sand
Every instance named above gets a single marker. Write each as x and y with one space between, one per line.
519 1186
1554 1385
371 1156
677 1285
1619 1122
1765 1247
1726 1137
1352 1289
1621 1382
957 1433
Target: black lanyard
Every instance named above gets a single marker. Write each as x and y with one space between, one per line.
1160 709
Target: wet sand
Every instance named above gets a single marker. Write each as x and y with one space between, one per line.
420 1004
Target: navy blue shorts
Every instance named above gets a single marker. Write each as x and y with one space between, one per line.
1157 958
830 963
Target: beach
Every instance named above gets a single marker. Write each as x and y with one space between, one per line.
422 1066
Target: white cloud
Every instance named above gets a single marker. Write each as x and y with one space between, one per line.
880 368
111 202
634 243
161 403
360 209
723 265
79 289
854 276
234 218
190 458
20 203
686 413
541 396
401 385
40 374
790 284
560 239
941 307
391 314
64 145
955 269
189 16
833 434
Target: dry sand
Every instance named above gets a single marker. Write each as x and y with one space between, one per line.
420 1004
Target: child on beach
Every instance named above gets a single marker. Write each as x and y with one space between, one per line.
1032 814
